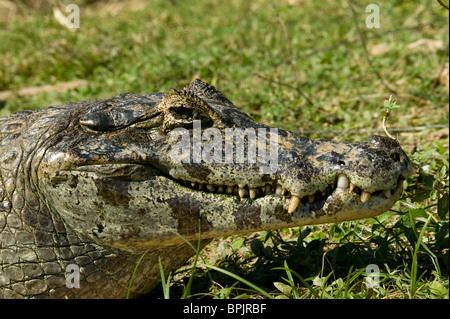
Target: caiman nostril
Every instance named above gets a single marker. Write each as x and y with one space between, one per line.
396 157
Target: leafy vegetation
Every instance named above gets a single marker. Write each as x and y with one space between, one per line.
298 65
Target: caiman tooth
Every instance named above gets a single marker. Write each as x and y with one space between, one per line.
283 191
278 190
342 182
311 199
295 200
200 186
268 190
365 196
229 189
387 193
193 184
210 187
252 192
351 188
220 189
242 192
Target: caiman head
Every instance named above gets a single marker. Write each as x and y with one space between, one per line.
132 171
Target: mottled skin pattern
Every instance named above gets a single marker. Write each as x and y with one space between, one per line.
92 184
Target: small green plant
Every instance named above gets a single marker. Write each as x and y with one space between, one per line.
389 105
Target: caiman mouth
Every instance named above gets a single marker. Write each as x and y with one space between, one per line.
341 183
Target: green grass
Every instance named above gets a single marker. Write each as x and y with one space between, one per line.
299 67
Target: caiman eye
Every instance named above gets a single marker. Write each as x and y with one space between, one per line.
185 117
182 113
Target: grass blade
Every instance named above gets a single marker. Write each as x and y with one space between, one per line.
414 280
295 293
303 281
187 290
134 273
248 283
165 285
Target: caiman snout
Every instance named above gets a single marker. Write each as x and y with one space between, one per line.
371 171
389 152
379 164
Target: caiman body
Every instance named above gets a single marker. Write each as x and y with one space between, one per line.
94 184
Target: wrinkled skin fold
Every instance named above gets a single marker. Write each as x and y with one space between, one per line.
96 183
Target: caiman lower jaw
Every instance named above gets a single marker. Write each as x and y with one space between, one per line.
341 185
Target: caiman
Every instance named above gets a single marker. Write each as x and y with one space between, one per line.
87 187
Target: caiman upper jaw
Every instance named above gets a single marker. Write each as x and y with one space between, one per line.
369 172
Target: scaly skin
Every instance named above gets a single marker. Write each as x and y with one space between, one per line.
96 183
